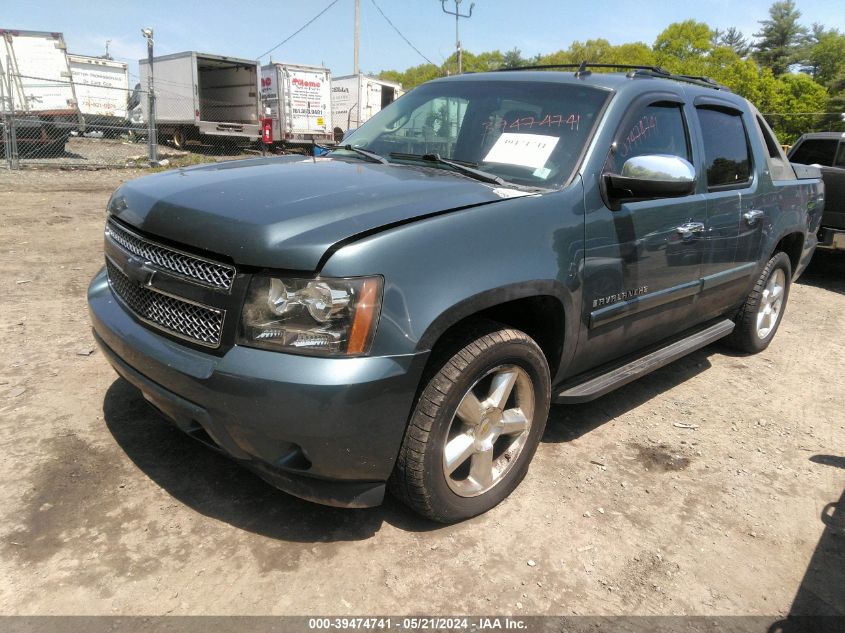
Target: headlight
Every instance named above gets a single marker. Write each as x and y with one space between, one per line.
329 316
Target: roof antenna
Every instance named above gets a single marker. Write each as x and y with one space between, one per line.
582 70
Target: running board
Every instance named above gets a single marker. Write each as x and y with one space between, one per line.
595 384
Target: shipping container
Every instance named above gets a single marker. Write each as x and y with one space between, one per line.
203 97
356 98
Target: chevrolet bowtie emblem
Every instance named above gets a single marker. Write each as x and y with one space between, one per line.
138 270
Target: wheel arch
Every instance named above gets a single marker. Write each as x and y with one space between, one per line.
538 308
791 242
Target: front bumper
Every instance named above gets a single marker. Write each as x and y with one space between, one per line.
324 429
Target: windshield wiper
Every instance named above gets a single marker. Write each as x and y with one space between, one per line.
376 158
478 174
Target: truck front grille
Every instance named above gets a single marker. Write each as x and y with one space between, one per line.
186 265
197 323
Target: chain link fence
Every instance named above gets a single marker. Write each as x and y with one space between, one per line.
107 126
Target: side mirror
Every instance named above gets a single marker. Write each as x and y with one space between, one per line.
652 176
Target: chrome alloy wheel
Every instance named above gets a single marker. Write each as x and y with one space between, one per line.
488 431
771 302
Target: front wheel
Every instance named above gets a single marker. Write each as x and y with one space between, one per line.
475 427
761 314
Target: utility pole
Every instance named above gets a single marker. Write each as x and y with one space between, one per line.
356 68
152 141
458 15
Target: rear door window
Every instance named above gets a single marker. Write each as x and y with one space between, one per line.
727 156
815 151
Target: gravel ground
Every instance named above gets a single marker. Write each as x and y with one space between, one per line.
713 486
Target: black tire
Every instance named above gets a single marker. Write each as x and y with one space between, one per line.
746 337
419 478
179 139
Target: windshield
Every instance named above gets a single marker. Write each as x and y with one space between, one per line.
528 133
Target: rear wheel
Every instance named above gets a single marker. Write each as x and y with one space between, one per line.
476 426
180 139
761 314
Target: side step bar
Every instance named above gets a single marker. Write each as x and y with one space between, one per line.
595 384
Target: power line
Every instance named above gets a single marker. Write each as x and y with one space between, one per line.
400 34
300 29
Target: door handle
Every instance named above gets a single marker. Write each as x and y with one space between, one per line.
688 230
752 216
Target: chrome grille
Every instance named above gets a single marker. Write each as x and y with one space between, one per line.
191 321
183 264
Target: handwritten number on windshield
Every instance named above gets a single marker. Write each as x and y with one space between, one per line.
528 122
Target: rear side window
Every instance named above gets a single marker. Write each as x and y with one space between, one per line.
727 157
815 151
779 167
771 145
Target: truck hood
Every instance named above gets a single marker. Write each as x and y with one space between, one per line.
286 212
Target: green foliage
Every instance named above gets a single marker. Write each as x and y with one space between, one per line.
693 48
796 95
733 39
682 41
514 59
601 51
413 76
827 56
781 37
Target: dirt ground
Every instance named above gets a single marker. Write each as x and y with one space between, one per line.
100 152
626 509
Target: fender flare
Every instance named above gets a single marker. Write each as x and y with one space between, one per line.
504 294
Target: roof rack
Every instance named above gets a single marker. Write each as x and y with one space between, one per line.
583 70
704 82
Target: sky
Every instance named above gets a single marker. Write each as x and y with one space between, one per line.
247 28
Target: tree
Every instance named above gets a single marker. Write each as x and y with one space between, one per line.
413 76
483 62
600 51
827 56
681 41
800 99
781 37
733 39
837 103
693 48
634 53
513 59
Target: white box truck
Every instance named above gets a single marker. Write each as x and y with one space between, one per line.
298 100
203 97
36 87
102 90
356 98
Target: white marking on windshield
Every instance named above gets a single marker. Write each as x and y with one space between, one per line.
528 150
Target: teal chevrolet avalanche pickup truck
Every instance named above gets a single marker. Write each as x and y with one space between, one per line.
400 313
